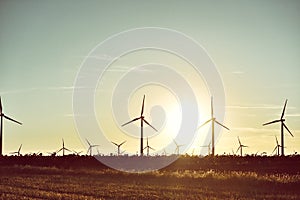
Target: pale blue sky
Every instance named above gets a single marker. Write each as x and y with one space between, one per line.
255 45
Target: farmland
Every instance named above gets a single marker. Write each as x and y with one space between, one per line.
222 177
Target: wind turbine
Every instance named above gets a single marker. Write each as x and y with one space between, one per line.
282 126
240 147
17 152
77 153
208 148
2 115
119 146
213 121
142 118
165 152
277 147
177 147
148 147
63 149
91 147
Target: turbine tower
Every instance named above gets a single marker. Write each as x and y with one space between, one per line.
240 147
213 121
2 115
142 118
281 120
91 147
148 147
63 149
119 146
17 152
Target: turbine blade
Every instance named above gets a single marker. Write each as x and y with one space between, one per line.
150 125
221 124
175 142
142 112
115 143
274 150
12 119
275 121
276 141
287 129
122 143
238 149
283 109
239 141
59 150
151 148
88 142
68 149
131 121
204 123
20 148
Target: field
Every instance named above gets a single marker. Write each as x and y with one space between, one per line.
187 178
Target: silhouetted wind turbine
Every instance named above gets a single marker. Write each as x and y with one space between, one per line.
282 126
213 121
91 147
165 152
177 147
148 148
277 147
63 149
2 115
208 148
77 153
240 147
119 146
142 118
17 152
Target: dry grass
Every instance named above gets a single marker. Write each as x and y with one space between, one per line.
27 182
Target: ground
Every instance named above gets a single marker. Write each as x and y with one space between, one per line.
25 181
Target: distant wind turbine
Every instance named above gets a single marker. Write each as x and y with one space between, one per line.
118 146
281 120
241 147
208 148
277 147
63 149
213 121
165 152
177 147
77 153
2 115
148 148
91 147
17 152
142 118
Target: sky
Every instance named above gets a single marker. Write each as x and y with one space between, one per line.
255 46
